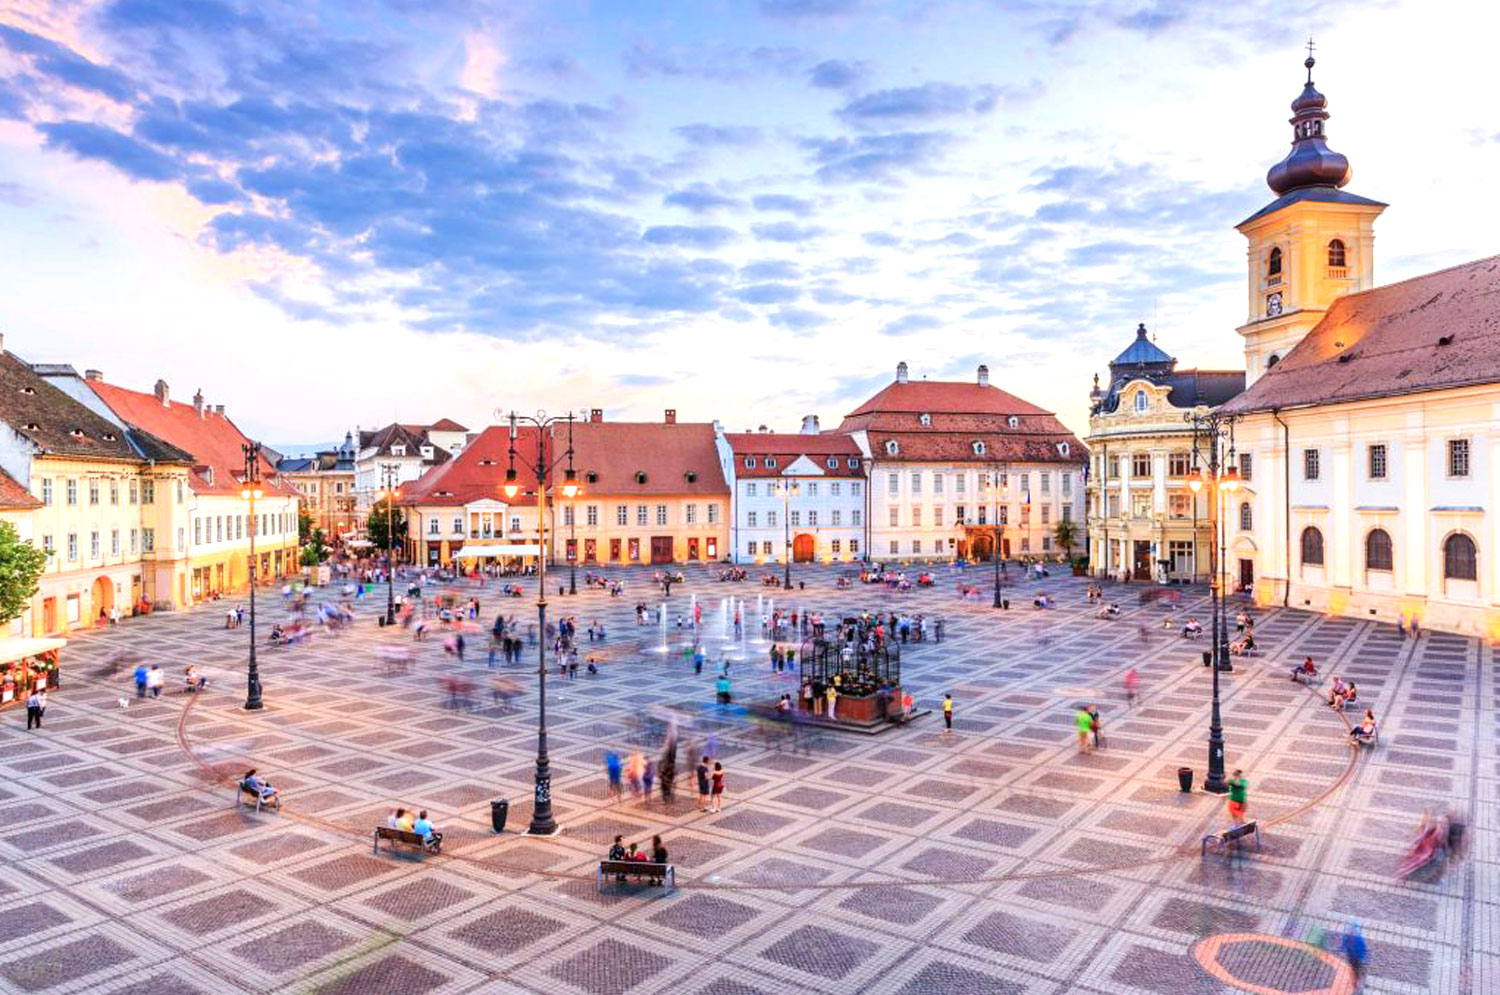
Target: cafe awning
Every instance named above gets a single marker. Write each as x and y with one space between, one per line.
358 543
12 650
497 549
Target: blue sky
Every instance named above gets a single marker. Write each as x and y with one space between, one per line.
329 214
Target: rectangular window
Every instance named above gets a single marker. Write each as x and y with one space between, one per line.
796 518
47 546
916 481
515 524
853 545
434 527
895 516
750 517
895 547
179 493
1114 468
1178 505
622 514
148 492
114 542
93 545
567 515
916 517
812 488
218 528
1046 544
690 514
181 534
838 517
148 540
812 518
1004 515
835 488
1179 464
591 515
771 519
47 490
93 490
197 533
72 546
1245 467
960 515
856 517
893 484
1025 483
135 486
960 482
1310 464
1458 457
750 489
857 488
72 491
937 517
1377 461
937 483
114 491
134 541
642 514
1046 513
836 546
1067 513
750 547
713 515
661 514
984 515
1140 464
916 546
239 526
1026 544
1046 482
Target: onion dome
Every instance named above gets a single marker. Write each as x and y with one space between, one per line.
1311 163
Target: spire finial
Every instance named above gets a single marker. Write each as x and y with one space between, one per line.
1310 60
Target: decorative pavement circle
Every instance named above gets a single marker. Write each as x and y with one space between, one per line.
1288 967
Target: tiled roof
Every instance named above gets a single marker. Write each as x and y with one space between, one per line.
54 422
787 447
211 438
952 447
14 497
413 437
1188 388
478 472
446 425
1326 195
945 395
1431 332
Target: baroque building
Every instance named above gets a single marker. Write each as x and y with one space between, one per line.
1372 421
1144 520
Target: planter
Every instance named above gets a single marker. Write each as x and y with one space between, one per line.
1080 571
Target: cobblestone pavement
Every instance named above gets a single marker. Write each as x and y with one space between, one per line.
994 859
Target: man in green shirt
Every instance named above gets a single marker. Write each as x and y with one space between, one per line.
1085 722
1239 791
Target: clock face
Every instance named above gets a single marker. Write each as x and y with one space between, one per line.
1273 305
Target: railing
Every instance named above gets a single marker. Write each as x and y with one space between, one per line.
1338 272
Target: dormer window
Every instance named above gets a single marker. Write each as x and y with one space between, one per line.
1063 448
978 447
770 462
1013 422
32 426
640 476
592 477
28 390
833 463
108 437
691 476
427 452
1141 400
77 433
750 462
892 447
398 450
924 419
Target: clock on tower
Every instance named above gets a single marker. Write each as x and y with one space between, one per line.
1273 304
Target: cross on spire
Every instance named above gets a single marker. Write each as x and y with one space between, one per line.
1310 60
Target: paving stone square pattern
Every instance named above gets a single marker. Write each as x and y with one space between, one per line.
992 859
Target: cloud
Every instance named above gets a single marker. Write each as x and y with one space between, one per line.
214 191
802 10
710 135
910 324
915 105
706 237
868 158
637 380
96 141
720 63
768 293
771 269
699 199
65 65
799 206
786 231
884 239
836 74
798 319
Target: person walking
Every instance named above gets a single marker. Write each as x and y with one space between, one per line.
1352 945
1085 723
948 712
141 673
614 768
36 707
1132 686
833 703
703 784
718 787
1239 795
154 678
1096 726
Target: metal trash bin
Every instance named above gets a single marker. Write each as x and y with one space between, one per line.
499 811
1208 658
1184 779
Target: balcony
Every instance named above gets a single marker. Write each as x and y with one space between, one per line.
1338 272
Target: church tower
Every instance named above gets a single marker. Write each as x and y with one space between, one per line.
1314 243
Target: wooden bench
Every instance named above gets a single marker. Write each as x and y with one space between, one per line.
639 869
402 836
241 789
1232 835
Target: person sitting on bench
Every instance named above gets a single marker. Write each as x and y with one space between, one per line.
1243 646
424 828
617 852
193 681
1365 731
400 819
1307 670
1113 611
250 781
658 856
1350 694
1192 630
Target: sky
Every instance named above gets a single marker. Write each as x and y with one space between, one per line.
333 214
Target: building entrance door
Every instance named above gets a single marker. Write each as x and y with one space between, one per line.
1141 560
1247 574
804 548
661 549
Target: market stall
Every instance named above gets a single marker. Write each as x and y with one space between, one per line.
26 664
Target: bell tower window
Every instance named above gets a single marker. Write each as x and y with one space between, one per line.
1337 260
1273 266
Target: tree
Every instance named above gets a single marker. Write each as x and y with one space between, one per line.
375 526
315 551
304 526
1065 534
21 565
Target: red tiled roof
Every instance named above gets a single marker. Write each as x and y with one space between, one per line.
945 395
211 438
446 425
478 472
787 447
14 497
1390 340
948 447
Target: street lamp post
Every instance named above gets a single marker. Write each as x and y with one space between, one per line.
572 547
250 492
999 497
542 821
1217 471
388 473
788 489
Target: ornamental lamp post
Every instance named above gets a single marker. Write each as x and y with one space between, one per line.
999 497
788 490
389 495
251 492
542 821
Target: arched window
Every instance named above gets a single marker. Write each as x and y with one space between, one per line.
1272 360
1141 400
1247 517
1378 552
1336 253
1273 263
1312 547
1460 558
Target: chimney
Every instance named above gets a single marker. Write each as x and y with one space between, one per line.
218 409
763 430
671 416
901 372
809 424
162 394
596 415
93 375
984 375
198 402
